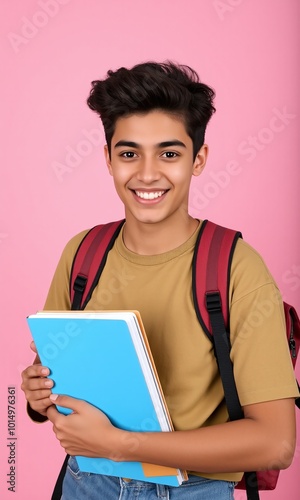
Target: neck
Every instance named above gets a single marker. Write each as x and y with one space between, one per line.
156 238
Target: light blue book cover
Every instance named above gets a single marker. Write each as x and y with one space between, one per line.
104 359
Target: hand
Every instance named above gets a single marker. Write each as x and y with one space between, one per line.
36 385
86 432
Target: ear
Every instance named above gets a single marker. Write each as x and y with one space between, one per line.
107 159
200 160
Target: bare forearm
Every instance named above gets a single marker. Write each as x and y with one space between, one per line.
265 438
235 446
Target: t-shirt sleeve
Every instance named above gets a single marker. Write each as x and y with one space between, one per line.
260 353
58 298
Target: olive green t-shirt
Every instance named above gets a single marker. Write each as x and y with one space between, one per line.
159 286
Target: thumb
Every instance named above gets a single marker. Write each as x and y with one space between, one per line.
67 402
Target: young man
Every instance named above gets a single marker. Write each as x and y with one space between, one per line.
154 116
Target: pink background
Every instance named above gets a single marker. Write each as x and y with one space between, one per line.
50 52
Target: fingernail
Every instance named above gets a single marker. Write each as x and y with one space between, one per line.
53 397
48 383
45 371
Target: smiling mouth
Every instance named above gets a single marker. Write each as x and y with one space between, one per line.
150 195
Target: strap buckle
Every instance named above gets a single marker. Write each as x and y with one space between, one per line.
213 301
80 283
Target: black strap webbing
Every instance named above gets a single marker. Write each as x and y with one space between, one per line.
297 400
222 352
57 492
79 288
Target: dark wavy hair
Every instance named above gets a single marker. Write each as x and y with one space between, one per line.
167 86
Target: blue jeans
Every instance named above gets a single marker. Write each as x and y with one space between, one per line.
84 486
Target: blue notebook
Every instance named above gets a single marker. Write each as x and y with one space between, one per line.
111 367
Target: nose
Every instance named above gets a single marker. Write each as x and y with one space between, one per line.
148 171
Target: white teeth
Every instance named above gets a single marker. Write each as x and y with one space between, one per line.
149 196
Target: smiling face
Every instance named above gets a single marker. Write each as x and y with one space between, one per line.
152 165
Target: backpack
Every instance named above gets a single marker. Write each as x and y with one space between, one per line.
210 287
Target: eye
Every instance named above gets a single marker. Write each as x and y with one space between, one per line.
128 154
169 154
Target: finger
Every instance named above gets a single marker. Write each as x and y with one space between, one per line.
52 413
67 402
41 405
35 371
39 395
33 347
37 384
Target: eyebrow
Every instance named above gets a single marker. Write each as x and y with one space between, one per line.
164 144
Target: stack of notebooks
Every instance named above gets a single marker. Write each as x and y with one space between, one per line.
104 358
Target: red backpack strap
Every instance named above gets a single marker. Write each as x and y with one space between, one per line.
211 276
211 270
89 261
